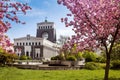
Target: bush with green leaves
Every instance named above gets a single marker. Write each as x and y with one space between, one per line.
92 66
71 58
115 55
23 57
100 59
29 58
6 57
56 57
79 56
89 56
115 64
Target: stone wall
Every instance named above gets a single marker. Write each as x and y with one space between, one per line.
39 67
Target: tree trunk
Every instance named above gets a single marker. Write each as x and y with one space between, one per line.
108 52
106 76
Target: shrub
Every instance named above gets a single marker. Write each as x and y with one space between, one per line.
100 59
103 65
29 58
23 57
89 56
79 56
71 58
6 57
115 52
56 58
115 64
92 66
3 58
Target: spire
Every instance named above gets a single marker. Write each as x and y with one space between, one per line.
45 19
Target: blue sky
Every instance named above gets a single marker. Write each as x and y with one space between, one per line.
40 10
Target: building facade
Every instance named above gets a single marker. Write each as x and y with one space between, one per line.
40 47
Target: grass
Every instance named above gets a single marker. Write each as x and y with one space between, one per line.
11 73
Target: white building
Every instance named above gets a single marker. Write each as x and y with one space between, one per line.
41 46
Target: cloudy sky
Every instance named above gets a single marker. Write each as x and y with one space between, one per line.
40 10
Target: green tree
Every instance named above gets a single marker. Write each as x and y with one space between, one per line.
115 55
89 56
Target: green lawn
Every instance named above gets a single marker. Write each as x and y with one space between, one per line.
21 74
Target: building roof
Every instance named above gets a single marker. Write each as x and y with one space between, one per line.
28 37
41 23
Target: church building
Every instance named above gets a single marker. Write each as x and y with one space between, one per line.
40 47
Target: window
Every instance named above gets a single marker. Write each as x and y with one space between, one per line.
17 44
20 44
36 43
45 35
39 43
32 43
27 53
37 55
29 43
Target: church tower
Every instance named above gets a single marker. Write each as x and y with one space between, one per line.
47 31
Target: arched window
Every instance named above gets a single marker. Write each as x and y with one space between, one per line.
33 43
17 44
30 43
20 44
36 43
39 43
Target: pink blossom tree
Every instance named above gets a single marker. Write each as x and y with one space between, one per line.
96 23
8 11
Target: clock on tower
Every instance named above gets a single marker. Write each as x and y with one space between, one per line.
46 30
45 35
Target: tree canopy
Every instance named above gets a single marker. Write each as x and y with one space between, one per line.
96 23
8 11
